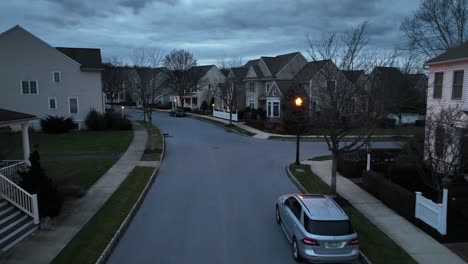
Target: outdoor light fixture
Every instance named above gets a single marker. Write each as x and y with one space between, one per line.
298 101
123 114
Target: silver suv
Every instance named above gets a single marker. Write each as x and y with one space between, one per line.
317 227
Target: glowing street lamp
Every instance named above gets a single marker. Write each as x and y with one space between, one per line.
298 102
123 114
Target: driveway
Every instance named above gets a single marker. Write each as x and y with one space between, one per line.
213 200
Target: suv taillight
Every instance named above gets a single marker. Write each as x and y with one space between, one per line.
353 242
310 242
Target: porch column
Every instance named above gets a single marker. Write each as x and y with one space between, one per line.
26 149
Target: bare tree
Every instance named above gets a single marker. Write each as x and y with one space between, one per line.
229 92
442 153
111 80
226 63
436 26
178 66
146 62
344 105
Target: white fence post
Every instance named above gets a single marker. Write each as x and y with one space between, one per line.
35 208
443 213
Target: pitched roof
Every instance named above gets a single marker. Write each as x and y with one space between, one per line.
88 58
200 71
284 85
239 72
275 64
7 116
258 71
251 63
457 53
309 70
413 79
353 76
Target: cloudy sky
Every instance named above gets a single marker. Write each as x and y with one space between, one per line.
211 29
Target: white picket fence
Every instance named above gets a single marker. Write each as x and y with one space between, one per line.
431 213
225 115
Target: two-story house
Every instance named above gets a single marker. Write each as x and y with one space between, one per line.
42 80
262 74
447 93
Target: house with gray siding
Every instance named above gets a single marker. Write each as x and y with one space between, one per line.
42 80
262 74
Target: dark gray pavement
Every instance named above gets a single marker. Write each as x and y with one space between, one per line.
213 200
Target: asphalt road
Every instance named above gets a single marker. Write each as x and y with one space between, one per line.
213 200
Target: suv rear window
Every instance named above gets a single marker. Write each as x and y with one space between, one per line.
328 228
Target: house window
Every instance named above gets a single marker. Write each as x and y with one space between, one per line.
252 104
57 77
268 87
273 108
457 88
438 80
331 85
52 103
73 102
274 93
315 106
439 141
252 87
29 87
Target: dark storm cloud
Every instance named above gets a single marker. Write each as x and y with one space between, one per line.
138 5
209 28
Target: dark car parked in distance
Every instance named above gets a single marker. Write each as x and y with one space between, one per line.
177 112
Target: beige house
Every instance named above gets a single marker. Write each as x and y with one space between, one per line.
42 80
261 75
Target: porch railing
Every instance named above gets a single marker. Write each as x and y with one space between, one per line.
9 168
16 195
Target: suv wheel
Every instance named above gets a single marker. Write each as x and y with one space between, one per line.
295 250
278 218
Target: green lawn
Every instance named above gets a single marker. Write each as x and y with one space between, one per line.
88 244
77 157
81 171
375 244
156 142
72 142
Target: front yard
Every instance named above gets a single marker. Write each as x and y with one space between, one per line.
74 158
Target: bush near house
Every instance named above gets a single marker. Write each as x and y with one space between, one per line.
57 124
97 121
35 181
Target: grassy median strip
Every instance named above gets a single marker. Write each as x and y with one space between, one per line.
88 244
375 244
228 127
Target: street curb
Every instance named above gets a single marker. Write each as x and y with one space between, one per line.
200 118
363 257
128 219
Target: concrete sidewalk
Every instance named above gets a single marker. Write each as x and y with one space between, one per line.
422 247
45 245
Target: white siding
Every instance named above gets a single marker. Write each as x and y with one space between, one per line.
24 57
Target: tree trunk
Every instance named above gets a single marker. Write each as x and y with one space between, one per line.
230 117
150 131
333 174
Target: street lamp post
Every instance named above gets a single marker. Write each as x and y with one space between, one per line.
298 103
123 114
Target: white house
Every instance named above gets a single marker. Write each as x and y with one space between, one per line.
41 80
448 89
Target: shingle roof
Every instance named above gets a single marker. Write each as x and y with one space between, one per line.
353 76
460 52
309 70
239 72
7 116
88 58
251 63
284 85
390 73
275 64
200 71
258 71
